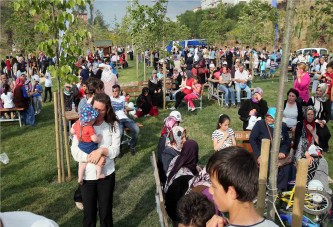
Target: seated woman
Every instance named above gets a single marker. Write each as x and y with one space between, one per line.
256 106
305 136
292 112
181 169
177 138
264 129
185 91
196 91
155 90
322 105
143 103
225 85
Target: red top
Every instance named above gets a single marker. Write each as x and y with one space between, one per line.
81 93
83 132
189 83
194 71
8 64
329 82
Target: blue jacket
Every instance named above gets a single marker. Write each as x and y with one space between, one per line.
259 132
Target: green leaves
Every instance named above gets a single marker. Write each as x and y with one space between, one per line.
147 24
51 20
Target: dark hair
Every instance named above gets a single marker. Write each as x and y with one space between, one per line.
222 119
145 90
6 88
194 209
292 90
330 64
100 84
234 166
92 85
110 116
116 86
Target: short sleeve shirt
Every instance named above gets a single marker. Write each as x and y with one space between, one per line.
84 132
217 134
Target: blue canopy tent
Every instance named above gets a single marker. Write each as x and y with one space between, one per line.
185 43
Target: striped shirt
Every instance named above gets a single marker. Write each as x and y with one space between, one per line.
218 134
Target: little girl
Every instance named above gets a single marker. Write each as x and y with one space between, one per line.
223 136
88 140
7 99
196 90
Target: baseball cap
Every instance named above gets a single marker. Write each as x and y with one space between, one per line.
176 115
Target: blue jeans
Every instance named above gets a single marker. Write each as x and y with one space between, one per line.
238 92
227 91
332 111
128 123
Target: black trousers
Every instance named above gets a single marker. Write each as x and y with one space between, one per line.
179 97
98 193
48 90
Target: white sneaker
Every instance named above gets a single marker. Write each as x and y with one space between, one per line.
79 205
172 108
193 109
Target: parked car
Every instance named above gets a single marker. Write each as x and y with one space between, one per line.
305 51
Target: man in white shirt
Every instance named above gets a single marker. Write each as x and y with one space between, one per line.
118 105
241 79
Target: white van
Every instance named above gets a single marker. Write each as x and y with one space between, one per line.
305 51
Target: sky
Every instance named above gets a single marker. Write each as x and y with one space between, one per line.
117 8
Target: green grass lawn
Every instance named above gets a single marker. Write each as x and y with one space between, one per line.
28 182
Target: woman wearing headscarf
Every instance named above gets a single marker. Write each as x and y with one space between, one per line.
109 79
181 169
264 129
143 103
177 138
322 106
22 99
155 89
186 90
305 136
256 106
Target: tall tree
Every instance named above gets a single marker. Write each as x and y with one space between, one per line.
321 20
56 21
147 23
255 24
91 10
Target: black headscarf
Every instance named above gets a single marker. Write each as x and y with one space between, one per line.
188 158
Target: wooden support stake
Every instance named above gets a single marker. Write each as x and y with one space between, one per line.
164 85
265 147
144 69
61 138
137 65
56 120
301 177
64 122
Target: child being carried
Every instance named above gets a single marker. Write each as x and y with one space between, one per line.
88 140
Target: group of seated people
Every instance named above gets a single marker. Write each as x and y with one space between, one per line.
198 196
304 135
22 93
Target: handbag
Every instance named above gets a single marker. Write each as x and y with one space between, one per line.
283 161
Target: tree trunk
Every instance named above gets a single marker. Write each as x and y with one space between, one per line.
279 107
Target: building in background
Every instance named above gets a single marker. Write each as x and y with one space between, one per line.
206 4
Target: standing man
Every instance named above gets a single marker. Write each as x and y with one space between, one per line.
118 104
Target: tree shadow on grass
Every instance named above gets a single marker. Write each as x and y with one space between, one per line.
140 210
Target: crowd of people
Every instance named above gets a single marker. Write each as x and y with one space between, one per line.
193 193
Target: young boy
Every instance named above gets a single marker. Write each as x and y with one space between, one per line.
194 210
37 97
234 176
